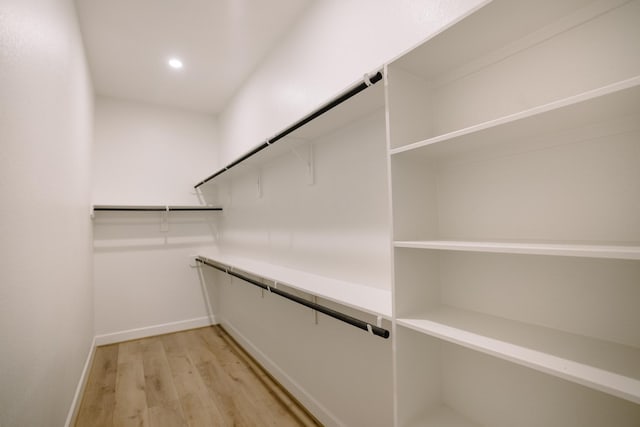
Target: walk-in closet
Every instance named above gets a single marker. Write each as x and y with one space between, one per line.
355 213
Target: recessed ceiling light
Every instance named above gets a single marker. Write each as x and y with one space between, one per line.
175 63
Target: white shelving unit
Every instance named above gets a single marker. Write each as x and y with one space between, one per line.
357 296
514 169
515 182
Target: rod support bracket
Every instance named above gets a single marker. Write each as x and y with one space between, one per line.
164 219
367 79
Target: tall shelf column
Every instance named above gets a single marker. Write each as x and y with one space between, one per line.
515 186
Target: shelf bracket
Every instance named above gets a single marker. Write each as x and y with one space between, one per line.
367 79
308 162
259 184
164 220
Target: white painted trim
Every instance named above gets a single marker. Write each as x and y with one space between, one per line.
77 397
316 408
149 331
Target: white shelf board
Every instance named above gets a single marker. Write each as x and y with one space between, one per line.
443 416
360 297
617 99
552 249
602 365
476 34
115 206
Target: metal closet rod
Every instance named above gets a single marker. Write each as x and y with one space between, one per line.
374 329
154 208
337 101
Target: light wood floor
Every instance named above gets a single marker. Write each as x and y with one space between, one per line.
194 378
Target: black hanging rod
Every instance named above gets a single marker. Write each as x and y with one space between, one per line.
154 208
337 101
376 330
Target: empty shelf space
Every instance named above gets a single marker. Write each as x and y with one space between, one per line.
360 297
588 251
605 366
618 99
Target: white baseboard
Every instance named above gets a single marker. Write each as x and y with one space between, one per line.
77 397
312 405
149 331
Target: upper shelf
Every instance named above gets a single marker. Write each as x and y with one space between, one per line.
553 249
369 300
152 208
618 99
329 116
475 35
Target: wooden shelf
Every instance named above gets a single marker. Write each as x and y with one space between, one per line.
552 249
618 99
369 300
605 366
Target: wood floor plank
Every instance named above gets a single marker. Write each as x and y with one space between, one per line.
253 383
159 386
169 414
130 397
198 408
275 389
98 402
221 392
176 352
251 397
221 389
196 378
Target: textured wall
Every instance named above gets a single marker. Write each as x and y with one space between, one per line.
46 294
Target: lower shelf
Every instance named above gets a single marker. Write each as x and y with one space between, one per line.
440 383
605 366
367 299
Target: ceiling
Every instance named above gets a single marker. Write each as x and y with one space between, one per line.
129 42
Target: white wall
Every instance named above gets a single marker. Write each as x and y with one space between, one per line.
332 46
146 154
46 294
